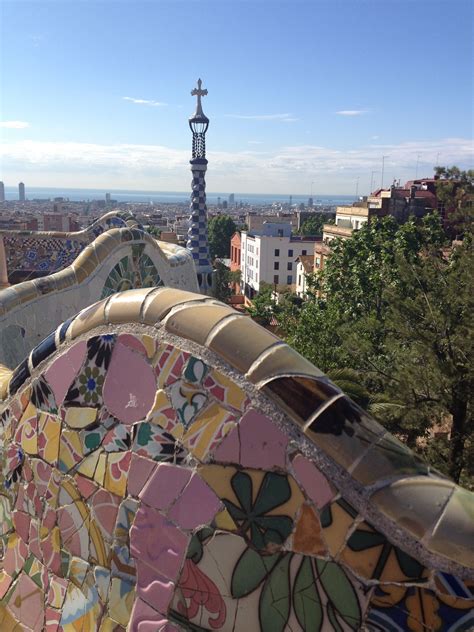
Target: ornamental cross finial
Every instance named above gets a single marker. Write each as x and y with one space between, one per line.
197 92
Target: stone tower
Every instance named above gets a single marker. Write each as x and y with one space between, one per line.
197 242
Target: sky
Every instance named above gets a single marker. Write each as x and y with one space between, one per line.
305 97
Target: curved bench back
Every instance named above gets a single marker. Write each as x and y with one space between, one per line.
117 260
170 464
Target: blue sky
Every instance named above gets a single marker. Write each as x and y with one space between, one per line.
302 95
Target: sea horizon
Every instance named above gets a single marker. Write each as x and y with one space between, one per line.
167 197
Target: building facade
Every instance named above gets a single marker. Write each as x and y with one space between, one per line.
269 257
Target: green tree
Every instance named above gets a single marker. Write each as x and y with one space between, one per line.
264 306
393 330
314 224
221 228
223 279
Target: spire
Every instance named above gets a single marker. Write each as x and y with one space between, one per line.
197 242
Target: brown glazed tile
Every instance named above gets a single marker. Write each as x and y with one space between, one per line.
195 321
344 431
240 341
64 279
126 306
453 537
300 396
45 285
163 302
91 317
281 360
388 457
26 292
80 271
415 504
103 246
88 254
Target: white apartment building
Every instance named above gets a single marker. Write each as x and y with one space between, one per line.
269 256
304 266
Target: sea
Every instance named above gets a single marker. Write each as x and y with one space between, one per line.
171 197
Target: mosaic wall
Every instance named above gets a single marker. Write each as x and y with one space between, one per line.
118 259
179 468
134 271
39 253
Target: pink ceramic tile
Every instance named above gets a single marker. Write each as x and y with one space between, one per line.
132 342
313 481
140 471
26 603
153 588
52 619
104 508
166 484
21 521
62 372
157 542
259 442
196 506
229 449
130 385
145 619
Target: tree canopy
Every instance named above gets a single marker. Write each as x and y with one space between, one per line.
220 230
391 323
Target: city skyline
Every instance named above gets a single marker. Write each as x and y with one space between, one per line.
315 115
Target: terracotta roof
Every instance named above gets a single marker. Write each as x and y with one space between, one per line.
307 261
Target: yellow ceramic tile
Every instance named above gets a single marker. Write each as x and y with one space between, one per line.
115 477
168 365
219 478
50 427
281 360
156 414
163 302
121 598
80 417
56 598
89 464
99 474
234 396
222 520
27 428
336 521
7 621
70 449
108 625
150 345
208 428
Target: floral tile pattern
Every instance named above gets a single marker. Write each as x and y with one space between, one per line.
142 488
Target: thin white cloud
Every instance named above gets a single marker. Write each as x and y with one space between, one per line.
285 118
14 124
287 169
351 112
255 142
144 101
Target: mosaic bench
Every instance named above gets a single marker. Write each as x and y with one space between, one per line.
170 465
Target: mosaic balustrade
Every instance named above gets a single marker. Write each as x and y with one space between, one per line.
118 259
31 254
170 465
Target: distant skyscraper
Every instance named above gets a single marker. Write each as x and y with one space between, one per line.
197 242
231 198
107 198
2 192
21 192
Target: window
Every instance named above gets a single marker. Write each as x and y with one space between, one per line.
276 279
289 279
280 232
299 279
318 261
303 253
277 252
276 265
290 253
289 266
